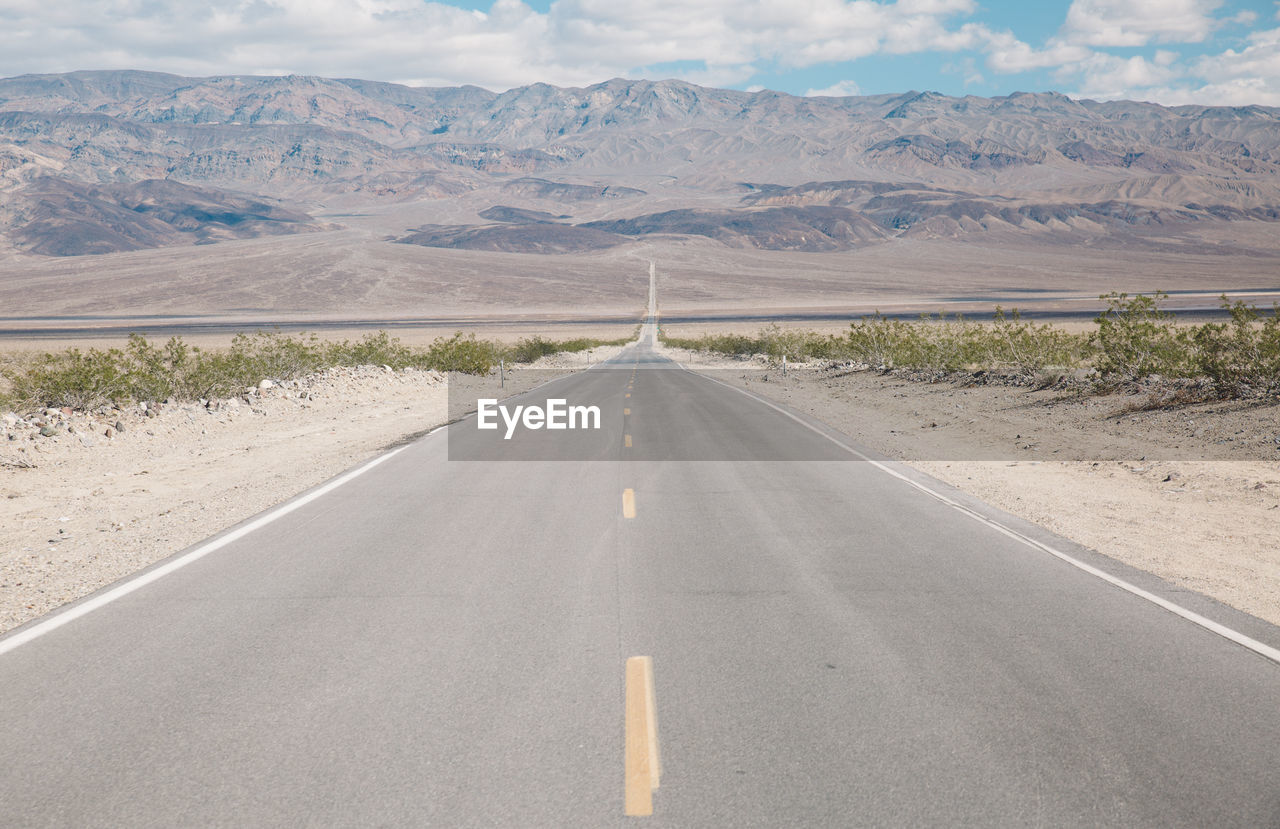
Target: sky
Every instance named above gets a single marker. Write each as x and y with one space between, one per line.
1167 51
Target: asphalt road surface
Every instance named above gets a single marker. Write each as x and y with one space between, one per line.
439 642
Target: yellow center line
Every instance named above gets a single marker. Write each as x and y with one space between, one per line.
627 440
642 764
628 503
626 411
628 394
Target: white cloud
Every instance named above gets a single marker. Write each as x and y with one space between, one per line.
575 43
1077 58
843 89
1139 22
1232 78
1091 24
1248 76
579 42
1110 77
1006 53
966 68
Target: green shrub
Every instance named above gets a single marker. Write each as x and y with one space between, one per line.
375 349
276 356
733 345
143 371
1241 354
929 344
531 348
462 353
71 378
877 341
1137 339
1027 348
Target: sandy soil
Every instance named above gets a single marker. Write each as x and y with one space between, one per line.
357 275
91 504
1192 495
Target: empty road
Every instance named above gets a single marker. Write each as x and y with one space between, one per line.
440 640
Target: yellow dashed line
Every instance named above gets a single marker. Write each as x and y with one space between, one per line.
627 440
643 765
626 411
628 503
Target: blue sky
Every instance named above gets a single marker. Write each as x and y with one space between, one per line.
1171 51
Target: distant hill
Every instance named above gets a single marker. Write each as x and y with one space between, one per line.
58 217
573 169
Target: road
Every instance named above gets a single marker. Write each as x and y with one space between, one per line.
1190 306
437 641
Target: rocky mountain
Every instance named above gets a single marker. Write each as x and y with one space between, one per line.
58 217
613 162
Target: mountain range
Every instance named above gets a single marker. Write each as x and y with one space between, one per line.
94 162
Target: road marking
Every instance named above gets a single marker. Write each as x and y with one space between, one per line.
1222 630
626 411
628 503
628 394
651 701
627 440
642 765
84 608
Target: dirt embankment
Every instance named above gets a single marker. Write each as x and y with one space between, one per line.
1191 494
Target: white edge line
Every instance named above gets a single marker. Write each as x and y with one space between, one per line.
84 608
1252 644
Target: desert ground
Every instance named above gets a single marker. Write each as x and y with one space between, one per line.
353 279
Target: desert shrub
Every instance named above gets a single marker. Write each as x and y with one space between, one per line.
531 348
1027 349
798 345
462 353
733 345
159 373
220 374
276 356
1137 339
877 340
772 342
933 344
81 380
937 345
585 343
1241 354
144 371
375 349
930 344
